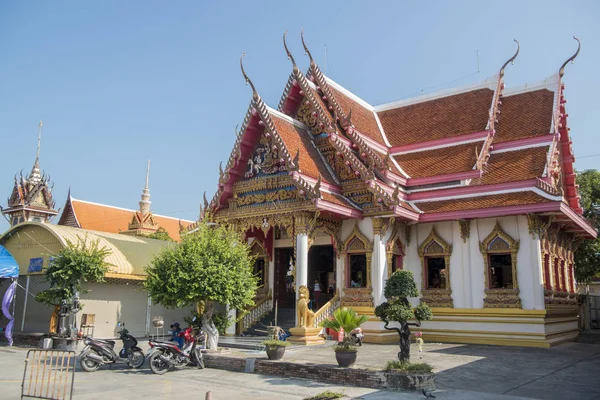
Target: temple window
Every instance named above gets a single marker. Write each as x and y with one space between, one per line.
435 273
548 284
555 267
259 271
358 270
500 269
434 253
357 252
571 279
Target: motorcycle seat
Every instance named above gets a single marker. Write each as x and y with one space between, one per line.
110 342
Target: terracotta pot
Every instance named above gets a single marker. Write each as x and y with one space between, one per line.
345 359
275 353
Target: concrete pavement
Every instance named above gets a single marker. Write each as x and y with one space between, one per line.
463 372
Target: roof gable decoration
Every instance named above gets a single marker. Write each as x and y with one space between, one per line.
562 176
484 154
277 147
366 152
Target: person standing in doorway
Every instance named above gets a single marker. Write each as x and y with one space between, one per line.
317 292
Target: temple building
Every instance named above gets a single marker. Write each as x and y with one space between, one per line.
472 189
32 240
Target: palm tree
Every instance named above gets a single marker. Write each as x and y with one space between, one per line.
347 319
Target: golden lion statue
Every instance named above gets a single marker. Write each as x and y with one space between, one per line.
305 315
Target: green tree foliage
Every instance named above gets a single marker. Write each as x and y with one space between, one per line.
587 256
161 234
398 288
347 319
211 265
76 264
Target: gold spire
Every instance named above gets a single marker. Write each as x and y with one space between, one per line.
145 201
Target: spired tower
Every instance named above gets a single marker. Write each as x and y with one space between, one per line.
143 223
31 198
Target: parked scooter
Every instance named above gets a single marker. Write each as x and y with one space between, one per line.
98 352
166 355
357 336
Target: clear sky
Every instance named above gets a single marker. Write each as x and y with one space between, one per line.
120 82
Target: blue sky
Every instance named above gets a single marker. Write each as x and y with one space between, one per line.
117 83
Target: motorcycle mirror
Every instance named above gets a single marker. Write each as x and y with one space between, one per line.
118 324
194 319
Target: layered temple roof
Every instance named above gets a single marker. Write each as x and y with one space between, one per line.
103 218
478 151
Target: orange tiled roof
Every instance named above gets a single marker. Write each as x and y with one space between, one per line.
295 139
437 119
447 160
525 115
362 118
474 203
337 199
100 217
512 166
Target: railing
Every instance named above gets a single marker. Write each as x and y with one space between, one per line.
327 310
262 307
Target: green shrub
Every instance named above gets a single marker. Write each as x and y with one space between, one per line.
326 395
272 343
408 366
345 348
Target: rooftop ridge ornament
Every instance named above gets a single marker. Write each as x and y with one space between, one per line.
510 60
306 51
561 71
289 54
248 81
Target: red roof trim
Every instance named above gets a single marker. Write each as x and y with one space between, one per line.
491 212
324 205
459 191
578 219
523 143
445 142
444 178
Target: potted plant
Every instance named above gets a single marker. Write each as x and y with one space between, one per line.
348 320
275 348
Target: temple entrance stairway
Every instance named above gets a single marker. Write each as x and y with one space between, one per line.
286 319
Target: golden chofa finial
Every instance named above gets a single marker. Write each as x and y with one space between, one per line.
289 54
306 48
510 60
248 81
561 71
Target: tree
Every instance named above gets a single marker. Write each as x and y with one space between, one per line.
76 264
398 288
212 265
587 256
161 234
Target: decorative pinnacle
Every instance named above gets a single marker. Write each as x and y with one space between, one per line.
248 81
289 54
561 72
37 156
510 60
147 174
305 47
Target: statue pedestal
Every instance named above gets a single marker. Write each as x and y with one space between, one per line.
306 336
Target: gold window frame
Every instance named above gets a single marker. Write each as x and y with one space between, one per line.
500 242
394 248
357 243
435 297
258 251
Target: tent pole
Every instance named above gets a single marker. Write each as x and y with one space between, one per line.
25 304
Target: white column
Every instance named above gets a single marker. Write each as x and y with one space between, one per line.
301 263
24 304
301 260
378 269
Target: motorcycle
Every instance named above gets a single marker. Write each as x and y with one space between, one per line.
98 352
166 355
357 336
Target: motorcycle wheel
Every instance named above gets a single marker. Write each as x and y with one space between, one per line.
88 365
136 360
157 365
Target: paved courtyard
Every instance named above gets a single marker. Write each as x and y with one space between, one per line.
466 372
